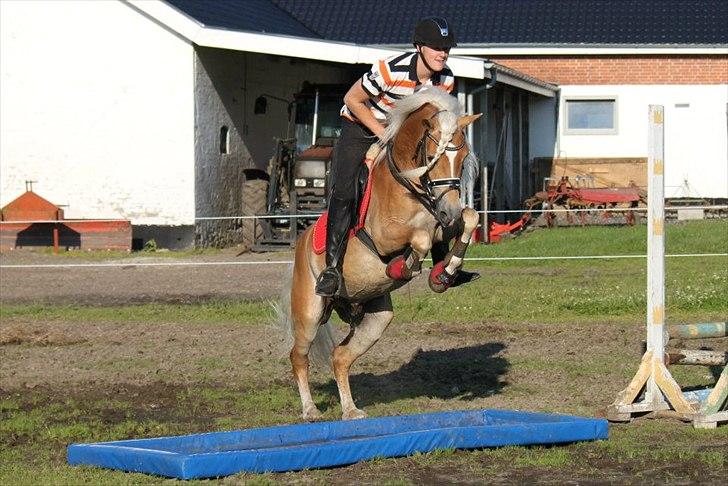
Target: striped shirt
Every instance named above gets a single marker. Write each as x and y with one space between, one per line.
394 78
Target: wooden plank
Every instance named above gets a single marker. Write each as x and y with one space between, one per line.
718 398
697 357
628 395
655 245
672 391
698 331
600 172
710 421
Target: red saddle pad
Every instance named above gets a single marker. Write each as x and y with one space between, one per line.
319 228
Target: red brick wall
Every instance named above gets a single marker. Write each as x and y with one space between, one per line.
621 69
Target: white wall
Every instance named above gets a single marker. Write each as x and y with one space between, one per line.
696 136
97 106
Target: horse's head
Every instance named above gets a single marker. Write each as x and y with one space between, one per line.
430 148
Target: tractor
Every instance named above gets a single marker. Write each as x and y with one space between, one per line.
296 181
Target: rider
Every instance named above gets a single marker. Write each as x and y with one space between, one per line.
364 115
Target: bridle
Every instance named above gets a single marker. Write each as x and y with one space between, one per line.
424 191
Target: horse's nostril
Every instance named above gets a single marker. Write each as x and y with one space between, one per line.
444 217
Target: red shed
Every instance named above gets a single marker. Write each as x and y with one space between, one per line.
32 221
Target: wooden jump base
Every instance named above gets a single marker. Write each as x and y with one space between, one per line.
661 391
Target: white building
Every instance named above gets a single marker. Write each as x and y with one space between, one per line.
135 110
140 110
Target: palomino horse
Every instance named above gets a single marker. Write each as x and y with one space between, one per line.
415 199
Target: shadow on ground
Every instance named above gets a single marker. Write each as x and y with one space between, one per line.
464 373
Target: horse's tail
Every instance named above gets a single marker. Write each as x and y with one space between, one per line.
324 342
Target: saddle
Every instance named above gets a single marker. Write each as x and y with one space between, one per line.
364 193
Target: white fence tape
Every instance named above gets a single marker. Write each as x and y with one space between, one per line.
310 215
289 262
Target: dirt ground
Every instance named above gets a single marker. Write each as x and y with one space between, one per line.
142 279
431 366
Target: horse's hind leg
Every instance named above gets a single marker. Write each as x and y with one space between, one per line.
307 312
377 316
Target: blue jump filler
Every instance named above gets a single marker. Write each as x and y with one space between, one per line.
326 444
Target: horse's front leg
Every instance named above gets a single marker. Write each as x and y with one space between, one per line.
409 265
377 316
443 274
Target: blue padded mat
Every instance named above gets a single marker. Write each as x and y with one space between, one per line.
325 444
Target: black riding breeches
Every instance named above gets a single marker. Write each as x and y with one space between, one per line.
348 158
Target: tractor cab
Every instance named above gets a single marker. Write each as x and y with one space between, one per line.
296 182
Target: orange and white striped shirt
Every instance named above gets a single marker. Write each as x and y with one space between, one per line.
394 78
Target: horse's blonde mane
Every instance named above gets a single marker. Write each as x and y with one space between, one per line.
450 111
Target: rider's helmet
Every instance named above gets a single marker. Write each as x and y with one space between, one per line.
434 32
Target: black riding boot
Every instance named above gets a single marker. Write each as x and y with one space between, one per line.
337 229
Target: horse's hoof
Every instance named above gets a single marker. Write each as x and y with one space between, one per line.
312 414
354 414
439 279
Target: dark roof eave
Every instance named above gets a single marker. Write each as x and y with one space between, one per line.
475 45
500 69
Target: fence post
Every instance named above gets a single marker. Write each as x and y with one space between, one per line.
655 245
661 390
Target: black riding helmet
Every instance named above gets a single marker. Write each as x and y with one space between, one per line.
434 32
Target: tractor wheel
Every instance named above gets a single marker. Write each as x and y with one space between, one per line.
253 203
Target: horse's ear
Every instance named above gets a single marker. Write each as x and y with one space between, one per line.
466 120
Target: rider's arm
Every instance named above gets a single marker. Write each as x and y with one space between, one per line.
355 100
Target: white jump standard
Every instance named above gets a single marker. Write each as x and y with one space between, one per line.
661 390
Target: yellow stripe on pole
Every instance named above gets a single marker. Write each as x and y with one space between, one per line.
658 227
658 315
659 167
658 116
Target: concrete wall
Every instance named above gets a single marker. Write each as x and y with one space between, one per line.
227 84
542 127
97 106
696 135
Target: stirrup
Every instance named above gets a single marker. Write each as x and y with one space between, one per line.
328 282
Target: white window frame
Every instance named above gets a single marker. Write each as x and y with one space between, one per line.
591 131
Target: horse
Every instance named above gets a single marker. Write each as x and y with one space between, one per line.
415 200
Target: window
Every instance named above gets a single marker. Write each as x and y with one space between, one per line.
591 116
224 140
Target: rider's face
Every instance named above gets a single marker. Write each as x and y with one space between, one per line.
435 58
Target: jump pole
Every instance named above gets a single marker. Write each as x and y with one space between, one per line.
661 390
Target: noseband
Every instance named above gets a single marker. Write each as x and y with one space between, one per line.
424 191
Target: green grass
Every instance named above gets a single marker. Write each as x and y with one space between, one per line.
519 291
243 312
594 290
36 428
707 236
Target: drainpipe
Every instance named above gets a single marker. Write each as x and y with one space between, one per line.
469 191
557 114
315 117
489 84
